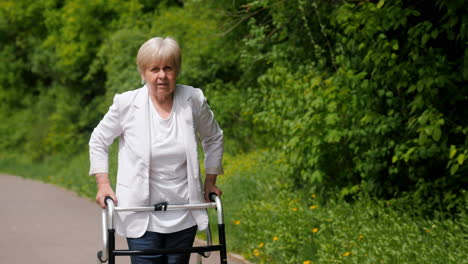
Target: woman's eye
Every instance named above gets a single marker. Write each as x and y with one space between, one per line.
155 69
167 68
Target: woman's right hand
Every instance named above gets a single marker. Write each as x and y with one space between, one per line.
104 189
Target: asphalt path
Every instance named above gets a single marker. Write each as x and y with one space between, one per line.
44 224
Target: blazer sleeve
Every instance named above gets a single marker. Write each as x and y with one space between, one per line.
211 135
102 137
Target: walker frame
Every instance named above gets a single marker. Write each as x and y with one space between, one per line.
108 253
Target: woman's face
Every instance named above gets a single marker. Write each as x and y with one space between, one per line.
160 78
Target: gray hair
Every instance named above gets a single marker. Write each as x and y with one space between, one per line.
159 49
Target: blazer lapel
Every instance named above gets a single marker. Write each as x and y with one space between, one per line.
186 125
143 122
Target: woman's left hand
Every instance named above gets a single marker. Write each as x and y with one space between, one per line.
210 187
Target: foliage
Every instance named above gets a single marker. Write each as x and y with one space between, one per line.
271 222
82 53
375 104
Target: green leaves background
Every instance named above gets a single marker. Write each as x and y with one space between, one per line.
358 96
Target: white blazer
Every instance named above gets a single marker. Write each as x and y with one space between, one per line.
128 119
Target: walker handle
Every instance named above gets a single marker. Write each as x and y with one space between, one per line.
213 196
107 198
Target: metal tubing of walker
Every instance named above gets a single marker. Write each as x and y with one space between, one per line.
222 242
221 229
109 253
168 207
110 213
111 246
110 229
219 208
105 238
208 242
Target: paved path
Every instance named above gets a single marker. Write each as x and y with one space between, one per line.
44 224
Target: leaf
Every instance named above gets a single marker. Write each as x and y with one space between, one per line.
436 133
364 119
453 151
381 3
333 136
453 169
331 119
331 106
461 158
293 141
425 38
361 46
317 176
407 155
394 159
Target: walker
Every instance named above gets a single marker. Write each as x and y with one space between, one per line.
108 253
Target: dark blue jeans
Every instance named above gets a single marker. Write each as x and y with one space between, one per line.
153 240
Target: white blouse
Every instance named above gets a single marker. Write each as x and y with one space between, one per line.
168 173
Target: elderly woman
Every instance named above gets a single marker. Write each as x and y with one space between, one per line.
158 126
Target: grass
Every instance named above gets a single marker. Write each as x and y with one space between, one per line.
268 223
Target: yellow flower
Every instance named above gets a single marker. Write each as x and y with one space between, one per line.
294 209
275 238
427 230
313 206
256 252
346 254
237 222
307 262
313 195
314 230
361 236
261 245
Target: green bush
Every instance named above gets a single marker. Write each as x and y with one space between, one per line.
374 105
271 222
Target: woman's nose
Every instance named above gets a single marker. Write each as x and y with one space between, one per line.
162 74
